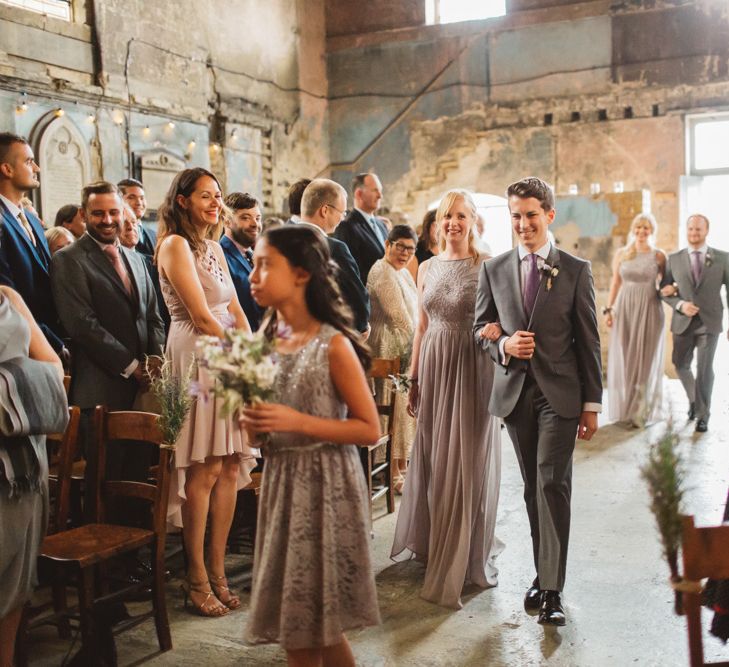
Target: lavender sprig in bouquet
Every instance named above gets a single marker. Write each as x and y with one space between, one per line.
243 365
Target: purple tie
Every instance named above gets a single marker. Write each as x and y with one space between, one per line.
696 268
532 285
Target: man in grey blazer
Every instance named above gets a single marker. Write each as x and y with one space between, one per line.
548 376
107 304
692 287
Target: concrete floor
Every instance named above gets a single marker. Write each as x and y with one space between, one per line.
617 598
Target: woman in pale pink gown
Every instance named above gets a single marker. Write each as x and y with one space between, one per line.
212 457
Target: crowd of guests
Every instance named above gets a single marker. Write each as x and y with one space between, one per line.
100 292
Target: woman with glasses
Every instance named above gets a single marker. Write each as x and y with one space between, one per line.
394 316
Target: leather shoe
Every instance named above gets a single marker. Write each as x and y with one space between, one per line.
692 412
533 597
702 426
551 612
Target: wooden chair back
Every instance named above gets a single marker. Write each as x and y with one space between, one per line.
131 429
62 448
705 554
382 369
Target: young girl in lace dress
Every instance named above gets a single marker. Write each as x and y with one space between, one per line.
312 578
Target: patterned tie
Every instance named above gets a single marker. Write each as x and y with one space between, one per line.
531 285
696 268
112 252
249 256
25 223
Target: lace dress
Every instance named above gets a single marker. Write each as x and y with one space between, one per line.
635 354
312 575
204 432
394 316
448 510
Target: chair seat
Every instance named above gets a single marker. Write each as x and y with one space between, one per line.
78 469
93 543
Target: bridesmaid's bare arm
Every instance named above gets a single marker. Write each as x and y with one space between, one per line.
40 349
362 425
615 282
177 264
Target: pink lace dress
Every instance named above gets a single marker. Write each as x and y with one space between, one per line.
205 433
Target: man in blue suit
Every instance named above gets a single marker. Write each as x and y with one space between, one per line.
24 255
241 234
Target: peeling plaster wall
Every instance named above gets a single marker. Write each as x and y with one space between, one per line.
244 83
577 92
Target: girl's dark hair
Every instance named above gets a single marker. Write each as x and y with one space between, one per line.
307 249
428 220
402 232
174 219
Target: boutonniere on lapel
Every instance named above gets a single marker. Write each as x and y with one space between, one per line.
551 272
708 260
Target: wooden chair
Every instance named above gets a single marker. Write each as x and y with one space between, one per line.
381 369
62 449
85 551
705 554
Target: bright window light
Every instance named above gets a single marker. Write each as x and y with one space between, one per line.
710 142
451 11
58 8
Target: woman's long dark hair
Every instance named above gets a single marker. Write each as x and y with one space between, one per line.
307 249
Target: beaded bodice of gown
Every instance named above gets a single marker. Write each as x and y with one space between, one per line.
641 269
449 293
303 383
217 287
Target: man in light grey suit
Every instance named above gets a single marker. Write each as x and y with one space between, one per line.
692 287
548 377
107 304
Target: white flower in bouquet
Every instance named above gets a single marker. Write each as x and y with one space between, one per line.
243 365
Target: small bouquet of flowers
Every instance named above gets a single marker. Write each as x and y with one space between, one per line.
172 394
243 365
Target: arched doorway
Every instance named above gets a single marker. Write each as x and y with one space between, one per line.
63 157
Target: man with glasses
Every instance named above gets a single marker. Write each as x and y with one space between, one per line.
363 232
323 206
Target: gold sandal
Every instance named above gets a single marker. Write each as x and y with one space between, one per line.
203 609
232 601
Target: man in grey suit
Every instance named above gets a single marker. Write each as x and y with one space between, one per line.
692 287
548 376
107 304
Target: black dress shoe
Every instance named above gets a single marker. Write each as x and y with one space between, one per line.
692 412
533 597
551 612
702 426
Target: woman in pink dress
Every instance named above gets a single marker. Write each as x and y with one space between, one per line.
212 457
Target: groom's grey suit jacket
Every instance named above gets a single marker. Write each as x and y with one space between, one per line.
566 363
706 295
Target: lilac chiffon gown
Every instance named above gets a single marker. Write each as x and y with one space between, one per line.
447 515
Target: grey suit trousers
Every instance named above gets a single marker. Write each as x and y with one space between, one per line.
544 444
698 389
